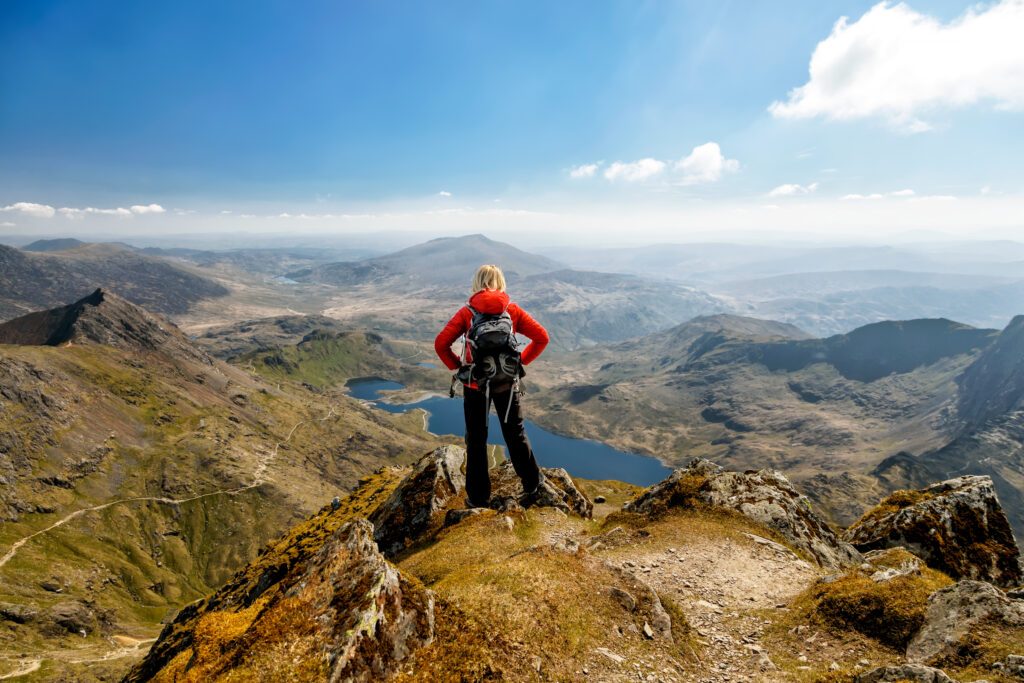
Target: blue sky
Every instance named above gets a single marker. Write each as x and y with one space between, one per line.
446 116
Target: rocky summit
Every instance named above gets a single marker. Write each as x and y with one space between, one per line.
437 485
102 318
956 526
332 611
684 583
767 497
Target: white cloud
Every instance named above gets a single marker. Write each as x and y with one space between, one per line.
149 208
7 224
792 188
896 64
705 164
583 171
226 212
879 195
444 193
78 213
634 171
37 210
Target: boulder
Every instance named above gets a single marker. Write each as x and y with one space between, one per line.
557 489
19 614
347 615
413 508
73 616
766 497
905 672
953 610
955 526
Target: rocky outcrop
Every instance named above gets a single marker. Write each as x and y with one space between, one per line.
73 616
557 490
333 610
432 496
102 318
956 526
903 673
953 610
766 496
414 508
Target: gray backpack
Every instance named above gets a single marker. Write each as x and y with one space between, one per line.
492 342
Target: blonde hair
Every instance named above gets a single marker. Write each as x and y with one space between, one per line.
488 277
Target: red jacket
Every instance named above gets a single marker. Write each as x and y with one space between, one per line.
490 301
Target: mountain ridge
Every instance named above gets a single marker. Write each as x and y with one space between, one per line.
30 281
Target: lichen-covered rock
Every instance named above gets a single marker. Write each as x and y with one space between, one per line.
412 508
953 610
557 490
905 672
766 496
337 611
955 526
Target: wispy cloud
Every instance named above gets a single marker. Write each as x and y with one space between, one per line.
583 170
79 213
792 189
634 171
47 211
32 209
895 63
705 164
148 208
444 193
879 195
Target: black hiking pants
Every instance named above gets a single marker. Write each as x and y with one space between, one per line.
477 410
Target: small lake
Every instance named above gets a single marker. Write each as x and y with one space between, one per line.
581 458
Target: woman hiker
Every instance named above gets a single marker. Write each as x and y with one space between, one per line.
484 312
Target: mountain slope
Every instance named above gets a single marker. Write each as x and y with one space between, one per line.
990 436
445 261
30 281
59 244
101 318
752 393
137 474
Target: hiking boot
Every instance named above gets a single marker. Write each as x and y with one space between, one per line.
532 497
470 504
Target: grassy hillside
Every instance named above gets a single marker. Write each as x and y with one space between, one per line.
135 483
33 280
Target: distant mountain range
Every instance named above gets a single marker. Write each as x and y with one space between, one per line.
889 405
443 262
587 296
33 280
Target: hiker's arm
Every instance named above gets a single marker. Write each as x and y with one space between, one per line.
535 332
443 344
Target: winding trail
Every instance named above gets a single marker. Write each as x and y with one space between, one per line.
28 666
258 480
32 665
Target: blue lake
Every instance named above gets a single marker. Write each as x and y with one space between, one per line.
581 458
